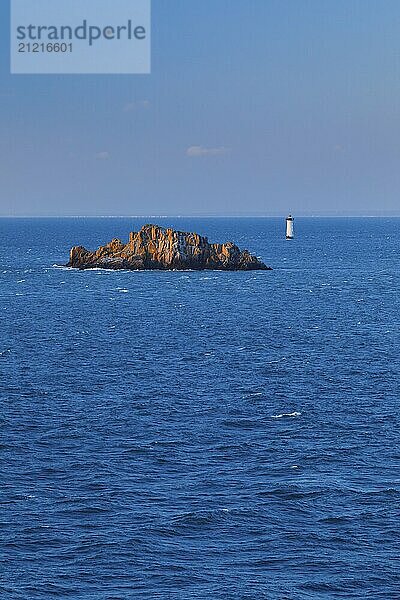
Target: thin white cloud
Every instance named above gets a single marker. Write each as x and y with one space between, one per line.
198 151
102 155
137 105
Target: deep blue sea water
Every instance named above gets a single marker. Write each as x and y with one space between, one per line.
202 435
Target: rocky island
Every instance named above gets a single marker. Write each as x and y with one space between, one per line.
157 248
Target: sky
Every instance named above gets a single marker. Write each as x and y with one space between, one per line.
253 107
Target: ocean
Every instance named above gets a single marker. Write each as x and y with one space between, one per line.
202 435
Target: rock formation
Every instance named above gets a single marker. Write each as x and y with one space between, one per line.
156 248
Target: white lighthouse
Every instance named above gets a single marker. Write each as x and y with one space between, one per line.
289 227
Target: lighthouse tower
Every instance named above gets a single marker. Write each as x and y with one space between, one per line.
289 228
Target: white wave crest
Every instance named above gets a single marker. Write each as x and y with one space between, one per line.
283 415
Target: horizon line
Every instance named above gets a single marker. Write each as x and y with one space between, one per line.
211 216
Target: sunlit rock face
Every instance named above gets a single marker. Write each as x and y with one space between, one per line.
156 248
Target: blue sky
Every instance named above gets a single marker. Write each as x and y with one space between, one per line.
252 107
